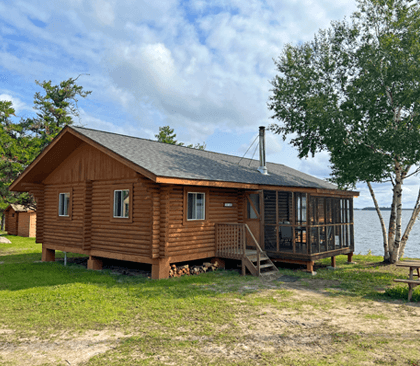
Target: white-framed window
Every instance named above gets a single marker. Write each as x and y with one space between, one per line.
196 206
63 204
122 203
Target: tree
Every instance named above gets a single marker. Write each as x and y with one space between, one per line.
15 152
167 135
354 91
22 141
55 110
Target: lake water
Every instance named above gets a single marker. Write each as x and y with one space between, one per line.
368 233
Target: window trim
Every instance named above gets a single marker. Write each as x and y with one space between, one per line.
122 204
122 187
60 191
206 206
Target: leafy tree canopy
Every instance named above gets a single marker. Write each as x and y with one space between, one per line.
21 142
354 91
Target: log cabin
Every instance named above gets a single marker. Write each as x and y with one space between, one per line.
114 196
20 221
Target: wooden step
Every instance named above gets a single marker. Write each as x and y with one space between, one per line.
254 258
269 265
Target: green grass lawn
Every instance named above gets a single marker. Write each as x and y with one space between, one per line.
173 321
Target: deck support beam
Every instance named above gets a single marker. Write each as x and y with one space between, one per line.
48 255
310 266
333 262
160 269
94 263
350 257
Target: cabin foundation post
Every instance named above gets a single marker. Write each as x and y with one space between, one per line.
160 269
333 262
350 257
48 255
310 266
94 263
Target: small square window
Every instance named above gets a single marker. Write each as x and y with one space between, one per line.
196 206
122 203
63 204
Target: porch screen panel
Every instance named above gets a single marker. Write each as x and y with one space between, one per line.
300 240
270 239
284 207
315 240
270 207
285 239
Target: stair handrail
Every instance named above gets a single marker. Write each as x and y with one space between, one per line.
259 250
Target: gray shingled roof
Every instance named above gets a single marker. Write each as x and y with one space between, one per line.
165 160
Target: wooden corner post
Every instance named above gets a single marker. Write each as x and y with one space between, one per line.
48 255
160 269
94 263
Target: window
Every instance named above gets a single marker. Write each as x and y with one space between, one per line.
196 206
63 204
122 203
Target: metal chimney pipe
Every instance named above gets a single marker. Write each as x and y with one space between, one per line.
262 169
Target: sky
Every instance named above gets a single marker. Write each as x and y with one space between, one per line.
201 67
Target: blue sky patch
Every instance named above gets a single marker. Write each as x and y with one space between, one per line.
38 23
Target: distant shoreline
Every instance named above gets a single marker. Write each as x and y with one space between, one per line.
381 208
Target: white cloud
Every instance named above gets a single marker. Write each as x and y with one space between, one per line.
104 11
18 105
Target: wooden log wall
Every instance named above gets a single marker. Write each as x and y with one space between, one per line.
24 224
66 231
193 238
165 193
121 236
87 221
38 190
11 222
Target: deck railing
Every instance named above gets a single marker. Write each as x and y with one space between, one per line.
230 241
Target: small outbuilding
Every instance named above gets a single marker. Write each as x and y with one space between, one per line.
20 221
114 196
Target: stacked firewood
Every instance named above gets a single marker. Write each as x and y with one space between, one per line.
186 270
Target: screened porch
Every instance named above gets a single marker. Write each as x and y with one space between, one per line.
298 225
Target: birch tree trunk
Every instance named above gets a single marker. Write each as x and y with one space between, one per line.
410 225
395 246
381 219
392 222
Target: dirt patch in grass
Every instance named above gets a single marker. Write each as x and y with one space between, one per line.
65 349
334 318
307 325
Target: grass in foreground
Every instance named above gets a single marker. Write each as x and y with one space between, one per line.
218 318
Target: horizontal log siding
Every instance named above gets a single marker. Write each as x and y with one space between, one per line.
11 222
24 224
192 238
58 230
121 237
38 193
